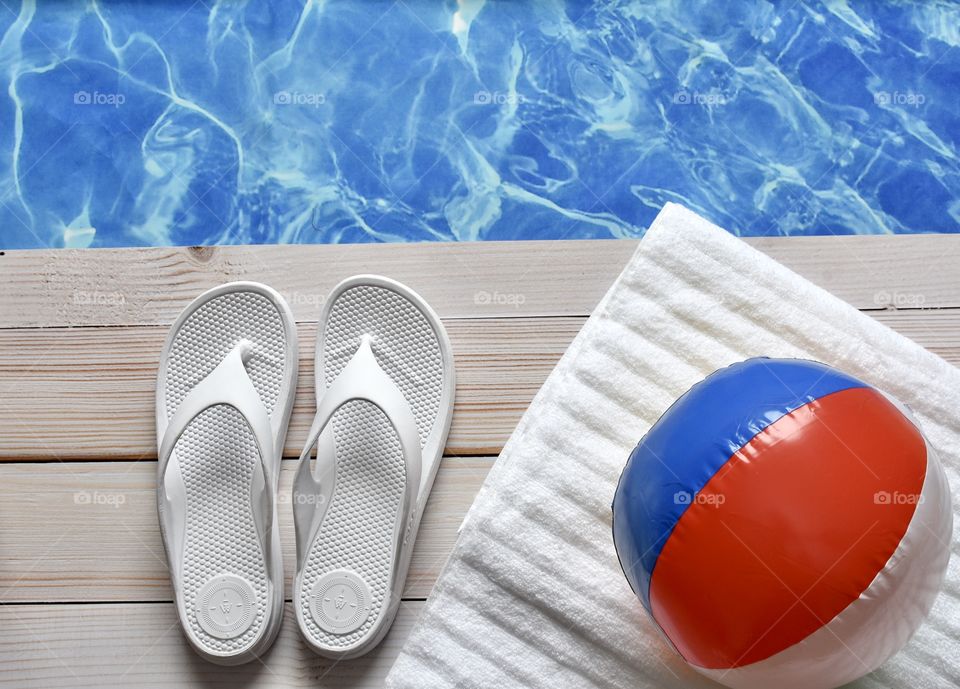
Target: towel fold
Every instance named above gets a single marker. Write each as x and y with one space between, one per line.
532 595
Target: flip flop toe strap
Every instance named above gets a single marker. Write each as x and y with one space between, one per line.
228 384
361 379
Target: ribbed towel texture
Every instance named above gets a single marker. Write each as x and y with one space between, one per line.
533 595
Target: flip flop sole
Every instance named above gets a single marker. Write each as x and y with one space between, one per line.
228 599
347 593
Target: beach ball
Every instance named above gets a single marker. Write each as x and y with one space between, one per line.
785 525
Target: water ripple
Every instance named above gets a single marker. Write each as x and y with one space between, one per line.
125 124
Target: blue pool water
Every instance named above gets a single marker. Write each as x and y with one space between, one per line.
181 122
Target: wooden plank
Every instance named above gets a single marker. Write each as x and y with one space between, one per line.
874 272
87 393
141 645
936 329
151 286
484 279
78 532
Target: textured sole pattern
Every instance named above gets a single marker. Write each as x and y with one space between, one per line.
406 346
212 331
217 455
358 531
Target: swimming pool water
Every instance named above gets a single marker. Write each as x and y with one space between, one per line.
181 122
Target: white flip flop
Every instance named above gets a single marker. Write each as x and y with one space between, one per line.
385 389
225 391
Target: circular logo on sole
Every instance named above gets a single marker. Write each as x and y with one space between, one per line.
225 606
340 602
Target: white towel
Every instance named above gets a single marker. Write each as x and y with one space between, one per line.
533 595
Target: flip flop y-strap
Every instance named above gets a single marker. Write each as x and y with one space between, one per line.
228 384
361 379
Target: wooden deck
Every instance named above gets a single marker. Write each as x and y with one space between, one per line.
82 573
